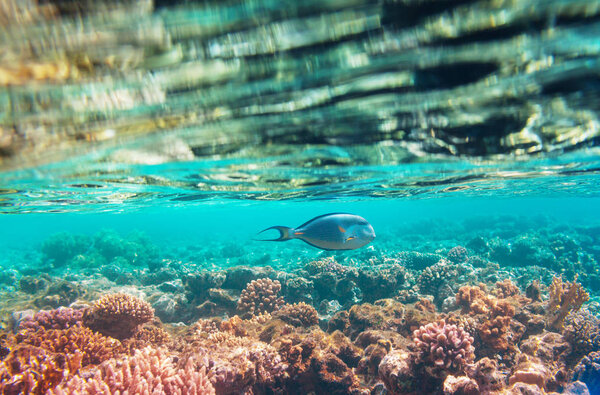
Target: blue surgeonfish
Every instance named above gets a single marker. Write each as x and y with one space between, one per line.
335 231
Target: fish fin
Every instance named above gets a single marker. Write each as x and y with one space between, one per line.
341 229
285 233
316 246
317 218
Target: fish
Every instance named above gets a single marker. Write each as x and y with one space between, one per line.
333 231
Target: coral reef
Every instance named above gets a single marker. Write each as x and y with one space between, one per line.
147 335
61 318
588 371
397 373
445 346
260 296
458 254
118 315
298 314
448 320
235 363
582 331
93 346
61 247
150 370
31 370
565 297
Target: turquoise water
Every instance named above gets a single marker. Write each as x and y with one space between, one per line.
144 144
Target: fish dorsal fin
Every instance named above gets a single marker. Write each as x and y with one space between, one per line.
319 217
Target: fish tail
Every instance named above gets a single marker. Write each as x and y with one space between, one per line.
285 233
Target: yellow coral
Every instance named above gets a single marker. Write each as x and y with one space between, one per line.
565 297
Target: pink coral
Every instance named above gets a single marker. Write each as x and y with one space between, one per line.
61 318
446 346
260 296
149 371
118 315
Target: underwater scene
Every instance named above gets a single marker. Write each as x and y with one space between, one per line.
300 197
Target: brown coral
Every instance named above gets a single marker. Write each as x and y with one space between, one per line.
32 370
239 363
319 362
146 336
396 370
474 300
552 351
118 315
506 289
298 314
460 385
149 371
485 373
385 314
236 363
260 296
493 332
94 347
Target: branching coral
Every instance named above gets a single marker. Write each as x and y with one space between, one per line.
260 296
326 265
61 318
458 254
118 315
565 297
298 314
435 280
94 347
147 336
32 370
446 346
149 371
